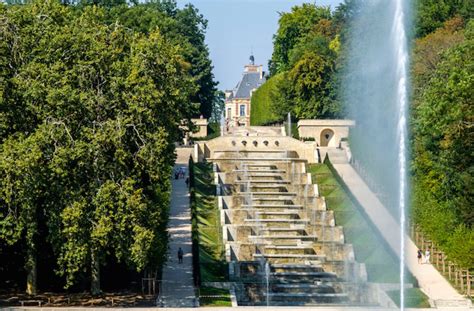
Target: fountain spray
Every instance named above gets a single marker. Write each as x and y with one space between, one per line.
376 91
399 35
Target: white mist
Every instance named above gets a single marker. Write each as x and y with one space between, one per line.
376 92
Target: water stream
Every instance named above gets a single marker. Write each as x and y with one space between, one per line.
377 93
400 38
267 279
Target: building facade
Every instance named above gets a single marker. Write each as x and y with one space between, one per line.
237 101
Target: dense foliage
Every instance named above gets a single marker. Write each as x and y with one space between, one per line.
443 138
431 14
307 58
91 99
262 103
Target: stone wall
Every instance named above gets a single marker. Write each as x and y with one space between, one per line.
327 133
201 126
304 151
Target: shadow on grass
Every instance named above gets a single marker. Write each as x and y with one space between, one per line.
382 266
369 247
206 226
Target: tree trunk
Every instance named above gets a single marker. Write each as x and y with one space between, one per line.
32 273
95 273
31 262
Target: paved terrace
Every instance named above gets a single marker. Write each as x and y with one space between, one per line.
435 286
177 285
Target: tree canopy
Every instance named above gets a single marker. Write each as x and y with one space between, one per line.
308 57
443 142
91 100
431 14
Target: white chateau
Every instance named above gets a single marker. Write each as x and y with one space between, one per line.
237 101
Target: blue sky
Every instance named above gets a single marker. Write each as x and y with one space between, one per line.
238 26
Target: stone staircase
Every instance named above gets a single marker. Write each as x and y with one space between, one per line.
282 244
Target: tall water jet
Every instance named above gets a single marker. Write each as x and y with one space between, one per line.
376 91
400 38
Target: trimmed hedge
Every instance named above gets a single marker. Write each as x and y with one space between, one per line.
261 104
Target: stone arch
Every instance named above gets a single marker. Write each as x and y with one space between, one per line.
327 138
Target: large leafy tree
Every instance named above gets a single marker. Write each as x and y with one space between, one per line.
293 26
306 54
91 111
305 90
186 27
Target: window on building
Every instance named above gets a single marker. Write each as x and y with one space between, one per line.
242 110
229 110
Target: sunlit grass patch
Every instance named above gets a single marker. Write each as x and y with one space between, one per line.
214 297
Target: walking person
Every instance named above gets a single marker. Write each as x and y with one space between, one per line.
180 255
427 256
419 255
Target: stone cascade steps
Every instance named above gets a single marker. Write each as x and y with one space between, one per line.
296 238
261 171
262 181
322 287
296 268
295 299
279 220
278 194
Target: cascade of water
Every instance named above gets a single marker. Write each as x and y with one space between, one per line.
267 279
323 222
400 42
289 124
293 181
305 202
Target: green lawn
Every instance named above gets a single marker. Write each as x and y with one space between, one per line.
381 265
414 298
206 222
214 297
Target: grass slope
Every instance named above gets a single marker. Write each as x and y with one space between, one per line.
207 230
213 267
413 298
381 264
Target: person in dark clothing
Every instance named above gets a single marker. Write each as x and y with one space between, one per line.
180 255
419 255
